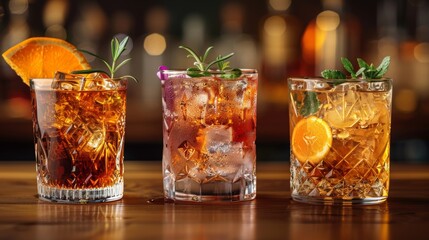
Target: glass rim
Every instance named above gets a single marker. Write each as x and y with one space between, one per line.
49 83
213 72
343 80
78 79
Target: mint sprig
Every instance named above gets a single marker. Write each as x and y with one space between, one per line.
203 69
117 49
370 72
366 71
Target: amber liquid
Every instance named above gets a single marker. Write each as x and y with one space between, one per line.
79 137
358 163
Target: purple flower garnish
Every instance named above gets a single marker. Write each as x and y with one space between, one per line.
161 75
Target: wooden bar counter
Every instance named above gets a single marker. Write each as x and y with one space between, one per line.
142 213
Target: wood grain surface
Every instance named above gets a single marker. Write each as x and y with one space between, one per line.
143 214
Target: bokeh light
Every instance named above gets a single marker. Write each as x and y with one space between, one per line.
155 44
275 26
406 100
280 5
328 20
421 52
18 6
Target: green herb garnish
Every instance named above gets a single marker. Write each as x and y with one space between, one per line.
203 69
365 71
117 49
333 74
311 104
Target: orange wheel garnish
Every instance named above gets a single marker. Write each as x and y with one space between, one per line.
311 140
41 57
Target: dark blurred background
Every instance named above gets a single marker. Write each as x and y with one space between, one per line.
280 38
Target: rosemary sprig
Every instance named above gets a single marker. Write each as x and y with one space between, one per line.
117 49
203 69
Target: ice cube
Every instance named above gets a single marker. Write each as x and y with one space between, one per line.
373 109
68 82
95 142
223 157
342 110
96 139
225 160
193 105
197 99
200 99
100 81
232 154
240 89
215 138
237 92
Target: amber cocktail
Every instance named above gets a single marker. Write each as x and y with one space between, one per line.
209 136
79 127
340 140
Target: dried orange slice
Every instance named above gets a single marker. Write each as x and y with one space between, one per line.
41 57
311 139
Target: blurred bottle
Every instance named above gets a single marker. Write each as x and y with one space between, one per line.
421 50
233 39
333 34
16 29
280 49
153 50
280 41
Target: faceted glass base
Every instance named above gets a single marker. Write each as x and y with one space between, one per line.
338 201
217 191
94 195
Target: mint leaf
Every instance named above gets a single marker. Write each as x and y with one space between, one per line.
369 73
348 66
360 71
338 76
333 74
363 64
384 66
311 104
